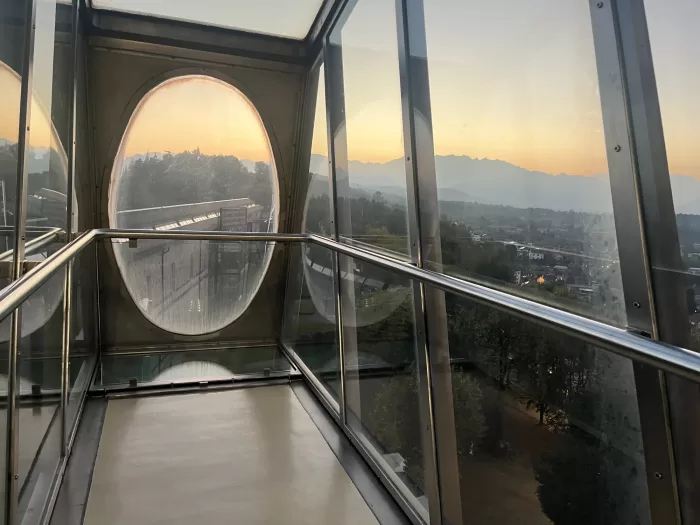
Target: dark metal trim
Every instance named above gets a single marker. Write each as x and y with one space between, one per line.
635 270
149 29
316 39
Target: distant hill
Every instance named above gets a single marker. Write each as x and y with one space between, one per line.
486 181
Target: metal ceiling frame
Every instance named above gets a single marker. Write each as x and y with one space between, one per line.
162 31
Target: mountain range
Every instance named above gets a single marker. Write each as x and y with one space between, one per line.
486 181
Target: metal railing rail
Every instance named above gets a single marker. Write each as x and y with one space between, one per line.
673 359
35 245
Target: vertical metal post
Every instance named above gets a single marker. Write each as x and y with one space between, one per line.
440 434
98 307
4 211
68 276
623 154
667 279
65 354
339 198
25 110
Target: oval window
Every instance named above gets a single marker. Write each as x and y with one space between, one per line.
195 156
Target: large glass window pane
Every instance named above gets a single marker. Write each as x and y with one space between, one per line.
520 155
384 403
194 156
371 181
309 328
675 48
39 382
273 17
548 428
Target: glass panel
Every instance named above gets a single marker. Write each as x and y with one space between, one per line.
548 428
675 48
49 125
520 154
372 197
83 347
317 211
309 321
39 377
193 285
273 17
12 31
383 402
195 156
196 365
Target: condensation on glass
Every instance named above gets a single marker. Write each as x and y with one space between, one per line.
272 17
195 156
520 154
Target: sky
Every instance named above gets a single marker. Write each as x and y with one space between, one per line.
509 80
170 119
515 81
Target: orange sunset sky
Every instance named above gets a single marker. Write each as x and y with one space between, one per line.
509 80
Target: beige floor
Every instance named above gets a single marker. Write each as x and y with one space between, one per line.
248 456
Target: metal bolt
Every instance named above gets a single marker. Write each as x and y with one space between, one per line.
618 148
658 475
599 5
636 304
408 158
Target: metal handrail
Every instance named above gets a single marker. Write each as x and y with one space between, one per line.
34 245
17 292
673 359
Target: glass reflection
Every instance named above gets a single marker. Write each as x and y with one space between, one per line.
383 400
195 156
191 366
520 154
309 328
371 177
548 428
39 439
46 205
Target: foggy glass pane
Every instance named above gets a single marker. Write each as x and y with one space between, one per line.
273 17
195 156
522 174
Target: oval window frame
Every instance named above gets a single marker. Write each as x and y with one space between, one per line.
131 112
